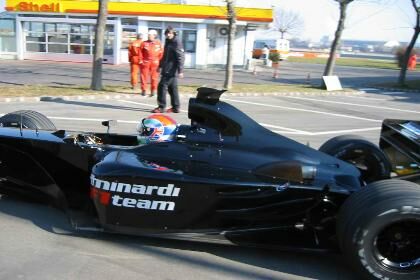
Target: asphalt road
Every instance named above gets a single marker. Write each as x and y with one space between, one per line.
37 243
15 72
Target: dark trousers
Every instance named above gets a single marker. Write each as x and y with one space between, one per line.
168 84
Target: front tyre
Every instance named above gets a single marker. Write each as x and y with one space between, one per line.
379 230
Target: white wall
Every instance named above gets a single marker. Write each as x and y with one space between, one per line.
202 46
265 4
239 46
217 51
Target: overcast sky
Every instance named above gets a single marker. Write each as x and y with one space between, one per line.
367 19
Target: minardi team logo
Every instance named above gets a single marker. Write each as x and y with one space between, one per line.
102 189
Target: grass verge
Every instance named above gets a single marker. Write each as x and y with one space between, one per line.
44 90
355 62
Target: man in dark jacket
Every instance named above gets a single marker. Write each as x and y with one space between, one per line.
171 65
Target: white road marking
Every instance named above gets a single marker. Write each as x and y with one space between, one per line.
285 130
87 119
352 104
365 97
346 131
145 104
327 132
266 125
302 110
364 89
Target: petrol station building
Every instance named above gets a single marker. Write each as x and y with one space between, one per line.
63 30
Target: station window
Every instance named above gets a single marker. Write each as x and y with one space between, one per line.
189 40
133 21
85 39
57 48
65 38
187 33
57 38
109 40
129 34
7 35
155 24
81 49
35 37
36 47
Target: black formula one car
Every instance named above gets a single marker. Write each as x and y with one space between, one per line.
227 179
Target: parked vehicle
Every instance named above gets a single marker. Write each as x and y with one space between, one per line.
281 46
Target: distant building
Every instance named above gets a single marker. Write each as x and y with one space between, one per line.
63 30
392 44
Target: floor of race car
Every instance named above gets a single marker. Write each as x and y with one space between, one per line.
36 241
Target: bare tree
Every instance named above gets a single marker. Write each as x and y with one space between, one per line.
287 22
406 58
329 68
98 55
231 17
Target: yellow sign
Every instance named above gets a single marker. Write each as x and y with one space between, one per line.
139 9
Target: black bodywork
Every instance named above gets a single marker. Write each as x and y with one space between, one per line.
225 178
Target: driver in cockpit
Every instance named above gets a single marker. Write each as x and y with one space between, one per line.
156 128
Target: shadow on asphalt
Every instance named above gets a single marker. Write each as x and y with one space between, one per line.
66 76
399 96
95 105
9 83
311 265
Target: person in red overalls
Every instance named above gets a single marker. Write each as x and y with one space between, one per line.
412 62
134 59
151 52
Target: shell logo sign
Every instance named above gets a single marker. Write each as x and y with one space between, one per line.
32 7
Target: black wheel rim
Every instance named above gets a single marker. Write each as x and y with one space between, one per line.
397 246
366 162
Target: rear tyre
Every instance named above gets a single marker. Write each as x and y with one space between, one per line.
29 119
379 230
366 156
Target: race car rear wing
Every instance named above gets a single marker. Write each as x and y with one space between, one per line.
400 140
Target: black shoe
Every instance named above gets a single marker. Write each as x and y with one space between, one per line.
143 93
152 94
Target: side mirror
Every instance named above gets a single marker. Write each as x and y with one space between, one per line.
109 124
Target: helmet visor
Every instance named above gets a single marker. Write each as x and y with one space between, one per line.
147 128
